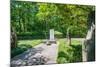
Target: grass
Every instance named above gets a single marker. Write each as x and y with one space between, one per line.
23 45
69 54
30 42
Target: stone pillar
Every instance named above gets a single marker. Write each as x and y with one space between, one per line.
51 37
51 34
88 47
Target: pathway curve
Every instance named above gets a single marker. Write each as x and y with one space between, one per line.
40 54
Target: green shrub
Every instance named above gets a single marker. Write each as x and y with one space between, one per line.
20 49
58 34
69 54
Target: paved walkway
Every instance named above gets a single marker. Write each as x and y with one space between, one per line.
40 54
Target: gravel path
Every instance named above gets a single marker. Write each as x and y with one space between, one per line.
40 54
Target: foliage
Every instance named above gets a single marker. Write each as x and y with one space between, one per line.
40 17
24 45
19 49
69 54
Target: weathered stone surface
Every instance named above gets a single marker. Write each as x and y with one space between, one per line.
41 54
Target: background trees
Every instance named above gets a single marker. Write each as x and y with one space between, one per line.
37 18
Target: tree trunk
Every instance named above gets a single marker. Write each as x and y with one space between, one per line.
68 37
13 39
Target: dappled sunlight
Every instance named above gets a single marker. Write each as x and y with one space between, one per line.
30 42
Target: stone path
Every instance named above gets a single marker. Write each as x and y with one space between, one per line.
40 54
